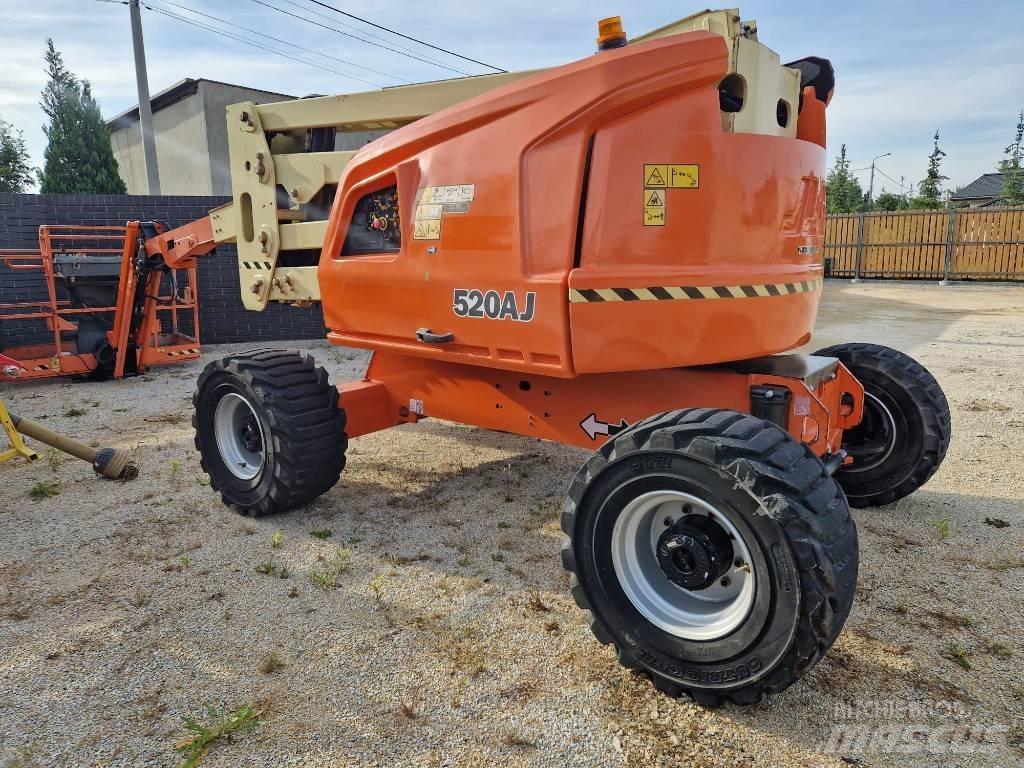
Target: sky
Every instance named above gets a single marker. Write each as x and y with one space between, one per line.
904 68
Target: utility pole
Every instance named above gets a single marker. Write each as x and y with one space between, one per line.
145 109
871 186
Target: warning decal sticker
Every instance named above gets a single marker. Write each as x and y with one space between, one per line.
434 202
659 177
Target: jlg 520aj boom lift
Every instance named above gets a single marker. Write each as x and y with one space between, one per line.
609 254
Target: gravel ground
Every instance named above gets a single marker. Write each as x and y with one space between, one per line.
449 638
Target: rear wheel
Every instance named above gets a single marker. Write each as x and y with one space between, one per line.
269 430
713 551
905 432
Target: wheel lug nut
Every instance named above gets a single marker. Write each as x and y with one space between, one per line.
726 581
668 521
738 562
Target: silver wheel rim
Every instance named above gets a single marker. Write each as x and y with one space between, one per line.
705 614
233 422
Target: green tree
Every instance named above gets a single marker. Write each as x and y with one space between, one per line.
16 172
78 157
843 191
930 194
1012 167
890 201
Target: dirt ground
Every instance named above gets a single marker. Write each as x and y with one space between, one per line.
448 637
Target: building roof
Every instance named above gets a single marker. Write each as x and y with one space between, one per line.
180 90
985 186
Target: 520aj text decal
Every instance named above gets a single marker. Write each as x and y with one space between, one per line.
492 305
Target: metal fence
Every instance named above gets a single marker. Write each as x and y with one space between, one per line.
954 244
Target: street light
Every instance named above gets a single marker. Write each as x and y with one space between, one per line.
871 186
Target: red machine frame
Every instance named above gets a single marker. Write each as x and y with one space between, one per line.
154 345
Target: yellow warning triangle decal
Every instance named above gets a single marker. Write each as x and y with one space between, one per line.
655 200
655 179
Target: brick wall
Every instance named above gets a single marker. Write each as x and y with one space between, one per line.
222 317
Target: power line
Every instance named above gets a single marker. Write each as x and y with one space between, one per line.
259 46
407 37
362 39
279 40
354 28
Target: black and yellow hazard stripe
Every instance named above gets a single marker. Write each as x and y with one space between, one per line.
692 292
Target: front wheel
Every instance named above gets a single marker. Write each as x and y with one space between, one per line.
713 551
269 430
903 437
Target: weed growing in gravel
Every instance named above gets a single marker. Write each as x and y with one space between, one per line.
504 524
508 485
514 739
193 745
410 709
535 604
178 565
203 479
54 458
996 648
1019 693
74 413
141 598
463 562
270 568
942 526
276 539
339 564
271 663
175 470
497 557
958 655
321 533
1006 564
44 489
376 587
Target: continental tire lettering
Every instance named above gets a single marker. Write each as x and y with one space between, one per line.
650 464
493 305
785 577
696 675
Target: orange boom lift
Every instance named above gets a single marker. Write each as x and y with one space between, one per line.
610 254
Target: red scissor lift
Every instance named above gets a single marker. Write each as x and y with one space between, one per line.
108 311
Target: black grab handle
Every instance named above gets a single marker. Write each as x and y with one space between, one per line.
429 337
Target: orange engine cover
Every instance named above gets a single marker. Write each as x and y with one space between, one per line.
530 240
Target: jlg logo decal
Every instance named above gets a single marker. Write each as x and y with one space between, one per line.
470 302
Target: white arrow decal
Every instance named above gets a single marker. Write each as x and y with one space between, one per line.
593 427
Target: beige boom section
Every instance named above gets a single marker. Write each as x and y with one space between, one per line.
284 165
278 184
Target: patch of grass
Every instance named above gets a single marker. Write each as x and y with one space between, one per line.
958 655
321 533
222 724
24 757
203 479
327 578
276 539
178 565
44 489
270 568
175 470
503 524
271 663
497 557
141 598
74 413
1018 693
54 458
953 620
998 649
376 587
942 526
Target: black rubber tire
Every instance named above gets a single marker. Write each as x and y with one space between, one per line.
302 423
921 418
792 512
